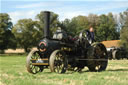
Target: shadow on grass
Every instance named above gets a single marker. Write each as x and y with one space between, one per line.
86 71
48 72
117 70
81 72
71 72
109 70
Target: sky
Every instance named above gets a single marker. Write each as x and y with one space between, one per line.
20 9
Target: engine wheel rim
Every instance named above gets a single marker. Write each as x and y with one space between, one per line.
33 68
101 53
98 52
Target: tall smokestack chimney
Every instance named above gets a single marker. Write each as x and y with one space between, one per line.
46 24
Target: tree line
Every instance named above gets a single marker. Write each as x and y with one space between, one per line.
26 33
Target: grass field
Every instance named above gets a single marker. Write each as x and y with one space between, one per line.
13 72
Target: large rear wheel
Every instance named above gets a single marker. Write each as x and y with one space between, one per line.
98 58
58 62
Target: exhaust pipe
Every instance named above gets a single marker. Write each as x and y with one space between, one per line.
46 24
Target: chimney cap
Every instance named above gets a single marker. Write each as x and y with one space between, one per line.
47 11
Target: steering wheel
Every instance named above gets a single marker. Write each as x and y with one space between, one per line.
83 36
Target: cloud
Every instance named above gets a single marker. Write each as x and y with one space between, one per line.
70 14
65 10
37 5
63 0
111 6
15 16
30 5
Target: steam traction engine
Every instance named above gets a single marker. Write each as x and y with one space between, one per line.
61 53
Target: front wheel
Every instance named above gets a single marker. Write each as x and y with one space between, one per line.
58 62
34 54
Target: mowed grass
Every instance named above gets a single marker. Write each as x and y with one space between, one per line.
13 72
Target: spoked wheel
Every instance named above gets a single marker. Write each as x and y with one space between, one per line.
58 62
98 57
33 68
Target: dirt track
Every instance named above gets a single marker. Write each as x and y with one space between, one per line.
16 50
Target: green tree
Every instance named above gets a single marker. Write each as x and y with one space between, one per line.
93 20
75 25
69 26
7 39
107 29
124 19
26 33
82 23
124 30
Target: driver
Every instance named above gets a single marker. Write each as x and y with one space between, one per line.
91 34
